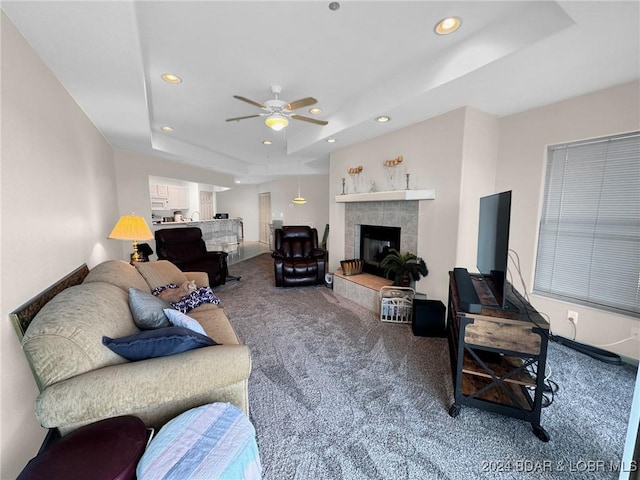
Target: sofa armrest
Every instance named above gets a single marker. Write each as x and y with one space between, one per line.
201 278
136 388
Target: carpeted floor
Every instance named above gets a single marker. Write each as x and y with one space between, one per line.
337 394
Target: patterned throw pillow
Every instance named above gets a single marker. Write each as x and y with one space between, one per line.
193 300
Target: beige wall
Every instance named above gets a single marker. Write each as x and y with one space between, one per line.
242 201
521 167
62 188
59 202
132 176
312 187
446 153
477 179
466 154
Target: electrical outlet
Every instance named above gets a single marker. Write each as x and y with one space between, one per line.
635 333
572 317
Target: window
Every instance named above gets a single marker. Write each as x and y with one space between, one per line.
589 240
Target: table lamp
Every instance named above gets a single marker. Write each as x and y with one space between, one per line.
134 228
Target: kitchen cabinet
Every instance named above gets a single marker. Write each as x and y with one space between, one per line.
178 198
169 197
159 191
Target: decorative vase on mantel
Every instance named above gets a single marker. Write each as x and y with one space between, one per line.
354 173
391 168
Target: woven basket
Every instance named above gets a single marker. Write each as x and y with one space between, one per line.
352 267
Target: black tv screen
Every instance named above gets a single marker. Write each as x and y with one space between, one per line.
493 242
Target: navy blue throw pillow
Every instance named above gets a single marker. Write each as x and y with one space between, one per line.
159 342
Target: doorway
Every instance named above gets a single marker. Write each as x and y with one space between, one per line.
265 215
206 205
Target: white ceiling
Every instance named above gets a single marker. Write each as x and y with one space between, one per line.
360 61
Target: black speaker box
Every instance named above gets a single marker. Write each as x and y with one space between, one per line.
428 318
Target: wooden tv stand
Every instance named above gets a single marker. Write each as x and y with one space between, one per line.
498 357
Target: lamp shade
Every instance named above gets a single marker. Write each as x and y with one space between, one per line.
276 121
299 201
131 227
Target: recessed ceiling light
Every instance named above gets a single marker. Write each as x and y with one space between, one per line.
166 128
383 119
266 142
447 25
315 110
331 140
171 78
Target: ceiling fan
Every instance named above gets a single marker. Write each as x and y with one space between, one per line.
278 111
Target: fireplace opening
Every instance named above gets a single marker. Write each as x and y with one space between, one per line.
375 243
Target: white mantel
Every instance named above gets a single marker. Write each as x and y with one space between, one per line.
387 196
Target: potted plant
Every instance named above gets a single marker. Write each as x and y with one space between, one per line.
405 269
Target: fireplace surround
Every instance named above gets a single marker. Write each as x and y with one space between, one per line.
402 214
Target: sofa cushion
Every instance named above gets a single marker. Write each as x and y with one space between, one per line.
215 322
160 342
65 337
179 319
160 273
147 310
118 273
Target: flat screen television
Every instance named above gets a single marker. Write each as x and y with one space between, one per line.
493 244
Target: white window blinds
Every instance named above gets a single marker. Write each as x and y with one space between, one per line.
589 240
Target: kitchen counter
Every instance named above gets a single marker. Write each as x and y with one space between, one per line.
194 223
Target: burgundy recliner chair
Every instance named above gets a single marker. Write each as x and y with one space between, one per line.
184 247
297 259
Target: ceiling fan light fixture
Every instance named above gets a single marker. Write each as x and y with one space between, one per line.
276 122
315 111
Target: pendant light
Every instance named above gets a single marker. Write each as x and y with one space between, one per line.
299 200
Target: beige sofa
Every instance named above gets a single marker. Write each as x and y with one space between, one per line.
82 381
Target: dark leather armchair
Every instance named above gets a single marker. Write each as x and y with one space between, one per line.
297 259
184 247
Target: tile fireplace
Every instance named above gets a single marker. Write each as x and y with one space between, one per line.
399 214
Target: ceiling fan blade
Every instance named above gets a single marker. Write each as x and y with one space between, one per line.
310 120
303 102
242 118
245 99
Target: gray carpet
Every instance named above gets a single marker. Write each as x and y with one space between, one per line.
337 394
